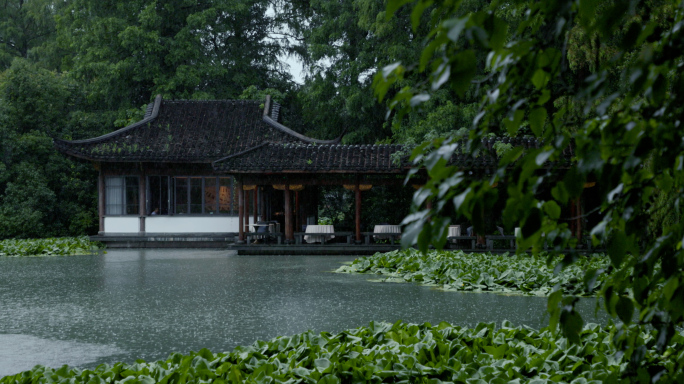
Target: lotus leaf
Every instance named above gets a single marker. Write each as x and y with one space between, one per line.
383 352
485 272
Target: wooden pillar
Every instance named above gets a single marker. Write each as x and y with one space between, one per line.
245 198
289 233
142 193
256 206
578 215
298 212
357 192
241 213
101 200
316 190
262 205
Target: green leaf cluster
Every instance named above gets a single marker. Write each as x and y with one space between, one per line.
385 352
600 81
56 246
484 272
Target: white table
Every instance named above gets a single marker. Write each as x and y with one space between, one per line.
454 230
255 227
319 229
385 229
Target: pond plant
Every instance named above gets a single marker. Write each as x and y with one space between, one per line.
55 246
395 353
483 272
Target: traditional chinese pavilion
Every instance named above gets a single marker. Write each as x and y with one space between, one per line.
193 167
198 167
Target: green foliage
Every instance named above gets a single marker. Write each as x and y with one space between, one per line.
42 193
56 246
254 93
126 53
617 106
27 29
478 272
384 352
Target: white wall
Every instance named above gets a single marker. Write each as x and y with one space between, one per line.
173 224
191 224
122 224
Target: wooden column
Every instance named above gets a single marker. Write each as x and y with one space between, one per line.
255 209
578 218
101 200
262 205
357 192
316 204
298 213
142 193
289 232
245 198
241 213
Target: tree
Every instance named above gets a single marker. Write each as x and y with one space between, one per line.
621 117
27 30
42 193
342 44
126 52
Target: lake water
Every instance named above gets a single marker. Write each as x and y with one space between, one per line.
145 304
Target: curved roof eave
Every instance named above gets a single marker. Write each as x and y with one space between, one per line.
150 118
268 120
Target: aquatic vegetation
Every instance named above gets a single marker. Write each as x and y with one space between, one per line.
54 246
384 352
483 272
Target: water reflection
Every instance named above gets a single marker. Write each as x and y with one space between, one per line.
149 303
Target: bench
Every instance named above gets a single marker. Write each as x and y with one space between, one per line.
265 236
380 235
299 236
454 240
510 239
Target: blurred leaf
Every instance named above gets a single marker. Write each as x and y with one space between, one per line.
537 120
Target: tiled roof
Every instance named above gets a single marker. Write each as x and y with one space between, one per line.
294 157
275 157
188 131
245 139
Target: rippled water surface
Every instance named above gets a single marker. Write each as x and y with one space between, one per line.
144 304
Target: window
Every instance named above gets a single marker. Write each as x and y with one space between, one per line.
158 192
226 196
196 195
204 195
121 195
210 192
182 195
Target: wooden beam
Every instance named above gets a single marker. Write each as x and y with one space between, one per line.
241 213
314 180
